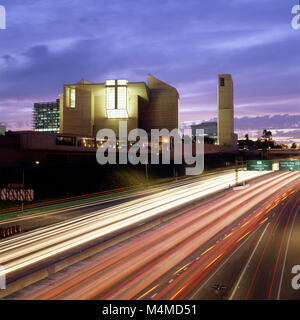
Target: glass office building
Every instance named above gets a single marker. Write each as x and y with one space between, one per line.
46 117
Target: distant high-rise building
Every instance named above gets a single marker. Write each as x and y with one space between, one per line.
226 135
210 129
2 130
46 116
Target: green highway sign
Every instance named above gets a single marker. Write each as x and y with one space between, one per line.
289 165
259 165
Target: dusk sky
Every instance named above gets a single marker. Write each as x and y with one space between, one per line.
184 43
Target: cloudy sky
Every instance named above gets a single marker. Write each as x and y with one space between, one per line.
185 43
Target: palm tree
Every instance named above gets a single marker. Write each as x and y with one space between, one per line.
267 134
294 146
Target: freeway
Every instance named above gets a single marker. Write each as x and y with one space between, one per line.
31 249
176 260
51 215
261 268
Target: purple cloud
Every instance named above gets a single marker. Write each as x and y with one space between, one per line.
186 44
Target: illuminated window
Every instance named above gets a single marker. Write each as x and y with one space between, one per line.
110 82
116 113
122 98
72 97
116 99
122 82
110 98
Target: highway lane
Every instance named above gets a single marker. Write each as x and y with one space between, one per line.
42 218
41 245
289 259
260 268
196 189
271 270
137 269
195 270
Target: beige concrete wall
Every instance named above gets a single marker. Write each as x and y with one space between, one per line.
161 110
225 111
77 120
89 115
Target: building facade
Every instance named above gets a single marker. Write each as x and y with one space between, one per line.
226 135
46 117
87 107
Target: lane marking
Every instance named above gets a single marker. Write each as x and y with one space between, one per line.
258 214
245 224
247 263
223 264
228 235
207 250
275 226
213 261
281 244
270 209
177 293
143 295
285 254
182 268
243 236
264 220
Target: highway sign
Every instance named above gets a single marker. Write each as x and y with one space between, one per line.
259 165
17 194
289 165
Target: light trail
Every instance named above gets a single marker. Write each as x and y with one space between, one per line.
187 249
174 245
140 262
197 270
23 251
220 183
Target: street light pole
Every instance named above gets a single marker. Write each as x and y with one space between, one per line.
236 172
146 167
23 183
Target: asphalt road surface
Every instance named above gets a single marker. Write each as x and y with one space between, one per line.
261 267
239 246
45 217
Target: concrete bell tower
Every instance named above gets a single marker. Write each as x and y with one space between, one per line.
225 110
